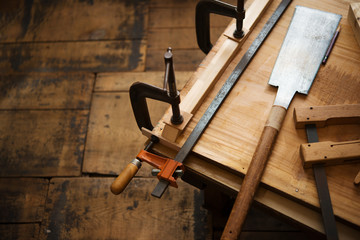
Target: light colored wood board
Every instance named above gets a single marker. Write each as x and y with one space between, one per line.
42 143
330 153
113 138
184 59
231 137
123 80
27 231
46 91
90 56
73 20
354 19
83 208
178 38
327 115
23 200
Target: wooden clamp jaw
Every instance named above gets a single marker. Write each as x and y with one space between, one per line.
167 166
329 153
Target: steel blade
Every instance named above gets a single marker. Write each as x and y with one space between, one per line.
323 189
303 49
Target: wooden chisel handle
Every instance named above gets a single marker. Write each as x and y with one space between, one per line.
254 173
125 177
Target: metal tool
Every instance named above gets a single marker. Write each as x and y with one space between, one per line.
308 37
331 153
202 20
323 189
169 170
224 91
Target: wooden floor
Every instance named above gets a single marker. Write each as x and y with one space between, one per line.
66 125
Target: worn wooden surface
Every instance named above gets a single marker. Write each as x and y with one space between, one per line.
46 91
91 56
27 231
231 138
22 200
81 208
172 24
123 80
42 143
72 36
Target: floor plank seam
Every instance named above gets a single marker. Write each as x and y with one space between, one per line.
87 124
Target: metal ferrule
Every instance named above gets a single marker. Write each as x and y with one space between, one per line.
137 163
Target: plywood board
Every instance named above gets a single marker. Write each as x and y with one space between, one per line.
113 138
83 208
80 56
122 81
23 21
42 143
22 200
46 91
231 138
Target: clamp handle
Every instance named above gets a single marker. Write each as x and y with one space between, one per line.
140 91
125 177
202 20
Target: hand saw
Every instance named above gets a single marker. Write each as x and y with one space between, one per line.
303 49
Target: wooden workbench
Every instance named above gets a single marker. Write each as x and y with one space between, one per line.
224 151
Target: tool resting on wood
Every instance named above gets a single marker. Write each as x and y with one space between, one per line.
301 54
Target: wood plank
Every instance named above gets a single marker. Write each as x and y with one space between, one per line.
122 81
327 115
24 21
184 59
42 143
23 200
46 91
113 138
28 231
90 56
75 204
178 38
180 18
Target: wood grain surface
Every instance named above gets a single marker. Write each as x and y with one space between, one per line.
231 138
22 200
80 208
42 143
76 35
46 91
